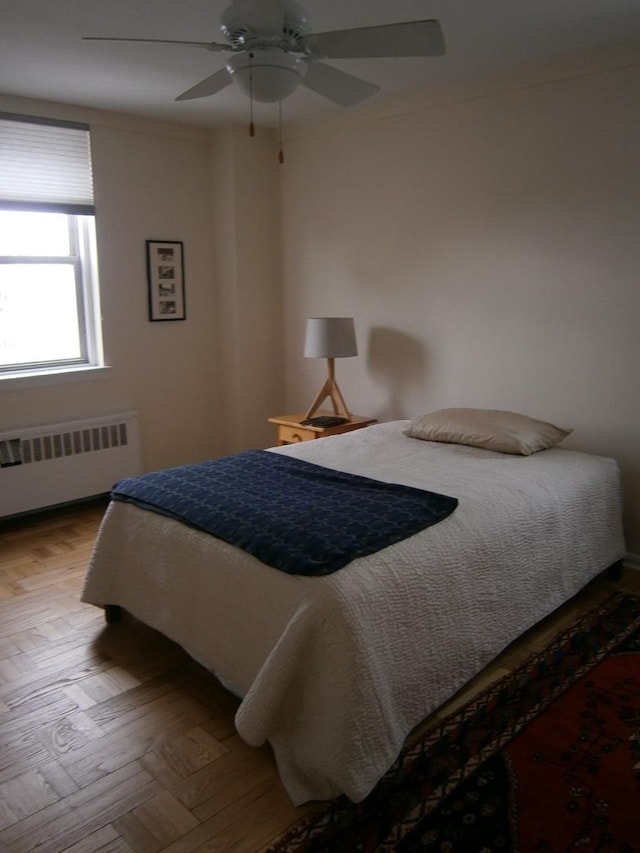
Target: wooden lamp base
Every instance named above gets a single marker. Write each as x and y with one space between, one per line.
330 389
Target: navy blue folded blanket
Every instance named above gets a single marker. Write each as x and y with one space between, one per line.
293 515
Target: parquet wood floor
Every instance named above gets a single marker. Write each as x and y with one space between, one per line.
111 737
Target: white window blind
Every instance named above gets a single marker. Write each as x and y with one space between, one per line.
45 165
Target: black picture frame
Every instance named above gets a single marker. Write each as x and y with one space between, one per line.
165 277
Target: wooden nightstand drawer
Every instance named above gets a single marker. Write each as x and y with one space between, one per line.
294 434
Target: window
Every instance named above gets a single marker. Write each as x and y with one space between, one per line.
49 317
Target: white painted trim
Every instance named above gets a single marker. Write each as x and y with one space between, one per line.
17 382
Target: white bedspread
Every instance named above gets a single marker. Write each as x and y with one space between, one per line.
336 671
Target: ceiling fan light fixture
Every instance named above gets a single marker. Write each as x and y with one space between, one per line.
267 75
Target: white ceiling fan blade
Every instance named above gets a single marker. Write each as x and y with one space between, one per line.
265 17
209 45
336 85
414 38
209 86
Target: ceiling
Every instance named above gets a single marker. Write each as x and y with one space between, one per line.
43 56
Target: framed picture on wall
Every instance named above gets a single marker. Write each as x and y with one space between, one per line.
165 275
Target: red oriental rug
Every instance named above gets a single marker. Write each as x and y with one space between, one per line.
546 759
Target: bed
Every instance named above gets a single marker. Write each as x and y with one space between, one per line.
335 671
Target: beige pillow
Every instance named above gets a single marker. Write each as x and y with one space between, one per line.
503 432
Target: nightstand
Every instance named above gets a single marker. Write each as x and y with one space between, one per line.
291 431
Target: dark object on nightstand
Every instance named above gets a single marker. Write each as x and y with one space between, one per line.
324 421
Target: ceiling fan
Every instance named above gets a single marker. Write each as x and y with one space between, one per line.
272 51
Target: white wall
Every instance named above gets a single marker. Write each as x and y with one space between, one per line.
486 240
247 260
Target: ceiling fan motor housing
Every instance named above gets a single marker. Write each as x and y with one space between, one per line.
268 64
289 34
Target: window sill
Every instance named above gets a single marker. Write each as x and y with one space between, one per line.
18 381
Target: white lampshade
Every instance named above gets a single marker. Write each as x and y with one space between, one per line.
330 337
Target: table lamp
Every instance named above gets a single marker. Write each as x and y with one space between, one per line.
330 338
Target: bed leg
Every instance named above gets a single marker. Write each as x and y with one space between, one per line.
614 572
112 614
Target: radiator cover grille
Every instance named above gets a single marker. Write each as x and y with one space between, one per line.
55 445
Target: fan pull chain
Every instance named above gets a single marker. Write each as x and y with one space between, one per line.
252 129
281 151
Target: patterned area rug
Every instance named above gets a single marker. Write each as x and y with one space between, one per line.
546 759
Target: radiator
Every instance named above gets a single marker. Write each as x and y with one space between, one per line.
57 463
